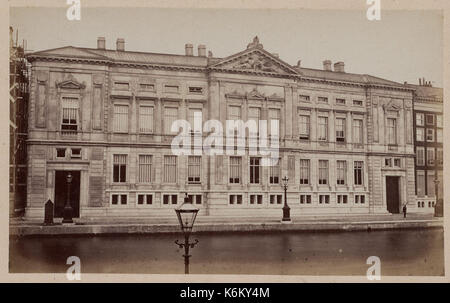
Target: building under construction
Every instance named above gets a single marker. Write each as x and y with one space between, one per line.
18 80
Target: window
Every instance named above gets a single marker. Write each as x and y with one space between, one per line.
122 85
430 135
360 199
430 156
60 153
75 153
255 170
170 199
70 119
420 132
170 116
235 170
305 199
420 119
235 199
145 168
439 135
323 171
274 171
195 199
303 98
254 113
171 89
304 128
340 130
439 122
322 130
304 171
119 199
341 199
358 131
391 131
194 169
147 87
145 119
120 118
144 199
341 168
274 114
120 168
324 199
322 99
420 180
340 101
357 103
170 169
256 199
234 113
191 117
388 162
397 162
420 156
358 172
275 199
430 183
430 119
195 90
439 156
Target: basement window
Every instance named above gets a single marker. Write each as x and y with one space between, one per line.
195 90
147 87
340 101
357 103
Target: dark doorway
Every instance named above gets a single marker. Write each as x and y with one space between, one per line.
393 195
61 192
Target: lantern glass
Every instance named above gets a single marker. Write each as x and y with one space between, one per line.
69 178
285 181
186 214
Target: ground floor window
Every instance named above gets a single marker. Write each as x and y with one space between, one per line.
341 199
170 199
145 199
305 199
195 199
324 199
235 199
276 199
360 199
256 199
119 199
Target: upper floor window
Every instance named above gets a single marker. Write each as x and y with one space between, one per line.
254 114
323 171
340 101
170 169
122 85
120 168
235 170
430 119
439 156
192 114
439 122
430 156
341 170
195 90
255 170
69 119
274 171
194 169
171 88
439 135
304 171
420 133
145 168
357 103
170 116
322 131
322 99
358 131
358 172
120 123
304 98
391 131
420 156
420 121
430 135
147 87
340 130
304 127
274 114
146 119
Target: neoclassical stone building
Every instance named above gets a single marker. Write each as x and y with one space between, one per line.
105 116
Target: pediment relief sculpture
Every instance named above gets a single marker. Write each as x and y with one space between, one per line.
70 83
256 62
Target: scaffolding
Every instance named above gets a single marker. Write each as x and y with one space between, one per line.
19 70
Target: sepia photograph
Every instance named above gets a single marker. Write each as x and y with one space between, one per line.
226 141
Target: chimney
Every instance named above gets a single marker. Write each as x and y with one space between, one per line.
339 67
210 54
201 50
299 63
101 43
420 81
120 44
189 49
327 65
275 55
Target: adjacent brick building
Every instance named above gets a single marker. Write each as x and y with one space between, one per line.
346 140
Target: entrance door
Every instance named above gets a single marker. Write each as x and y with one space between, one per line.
393 194
61 192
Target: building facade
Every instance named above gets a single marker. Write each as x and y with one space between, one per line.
105 116
428 141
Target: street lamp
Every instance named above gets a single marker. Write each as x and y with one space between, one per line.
437 206
286 209
67 213
186 214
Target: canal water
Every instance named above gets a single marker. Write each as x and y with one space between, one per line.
402 253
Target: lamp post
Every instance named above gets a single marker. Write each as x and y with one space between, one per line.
67 213
286 209
436 190
186 214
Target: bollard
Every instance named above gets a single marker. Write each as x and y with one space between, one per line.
48 213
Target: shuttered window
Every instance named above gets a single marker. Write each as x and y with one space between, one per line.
145 168
170 169
170 116
235 169
146 119
121 118
194 168
274 177
70 119
119 168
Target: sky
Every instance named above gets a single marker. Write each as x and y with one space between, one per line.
402 46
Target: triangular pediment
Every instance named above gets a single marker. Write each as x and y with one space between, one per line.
69 51
392 106
254 59
70 84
